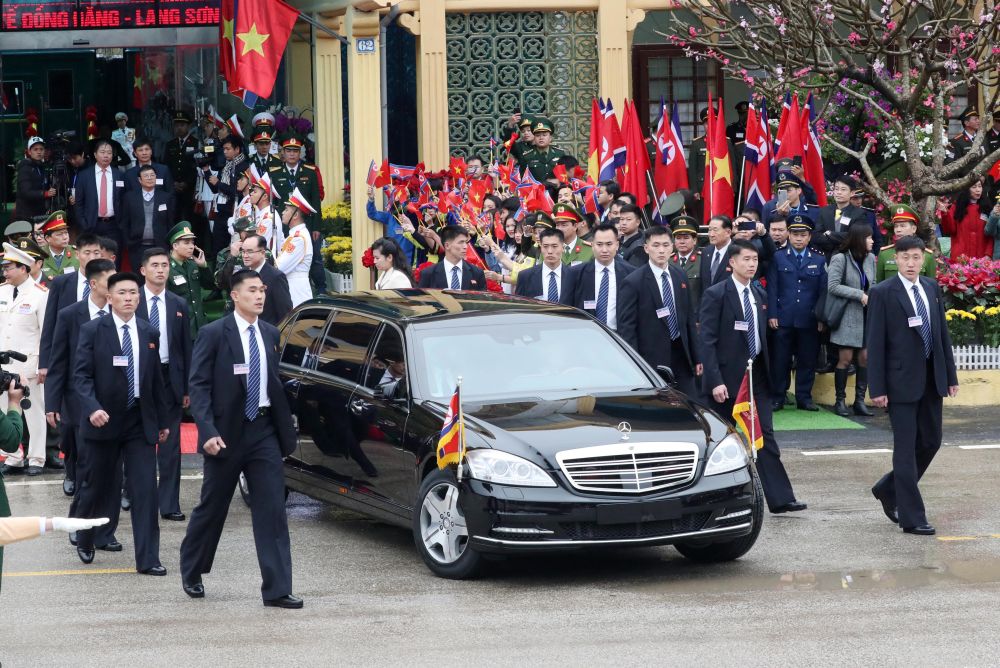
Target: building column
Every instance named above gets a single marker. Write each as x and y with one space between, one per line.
428 26
613 51
329 113
364 98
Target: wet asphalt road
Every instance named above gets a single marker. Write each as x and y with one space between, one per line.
835 585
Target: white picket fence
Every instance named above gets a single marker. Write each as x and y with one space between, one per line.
339 282
976 358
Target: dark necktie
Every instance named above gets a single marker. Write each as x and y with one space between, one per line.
57 260
456 284
154 313
253 376
684 261
603 295
715 262
99 313
86 289
751 325
130 371
925 322
15 293
553 295
668 303
798 259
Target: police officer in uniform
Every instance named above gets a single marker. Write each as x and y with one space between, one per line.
62 254
543 158
904 224
795 280
961 143
189 273
577 251
179 157
688 256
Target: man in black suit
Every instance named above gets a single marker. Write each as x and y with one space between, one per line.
64 290
631 248
279 300
715 256
453 272
99 190
598 282
168 314
733 330
910 370
833 219
244 426
122 414
61 399
550 280
143 150
147 216
655 312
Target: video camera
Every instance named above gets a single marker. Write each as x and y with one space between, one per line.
6 376
206 156
58 171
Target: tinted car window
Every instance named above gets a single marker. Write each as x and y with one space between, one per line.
388 363
302 337
342 351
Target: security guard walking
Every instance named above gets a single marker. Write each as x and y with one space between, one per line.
795 280
62 254
542 159
189 273
904 224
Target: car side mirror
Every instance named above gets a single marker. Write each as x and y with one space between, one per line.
392 391
667 374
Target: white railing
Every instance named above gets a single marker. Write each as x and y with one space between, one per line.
340 282
976 358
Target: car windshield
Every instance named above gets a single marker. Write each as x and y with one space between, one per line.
502 357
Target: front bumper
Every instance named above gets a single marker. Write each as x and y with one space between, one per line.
504 519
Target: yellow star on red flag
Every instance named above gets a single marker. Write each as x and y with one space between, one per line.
253 40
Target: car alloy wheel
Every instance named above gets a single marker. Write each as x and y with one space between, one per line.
244 489
442 524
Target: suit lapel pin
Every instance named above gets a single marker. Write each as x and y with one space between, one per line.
152 346
180 315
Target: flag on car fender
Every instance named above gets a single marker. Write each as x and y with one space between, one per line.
451 444
746 415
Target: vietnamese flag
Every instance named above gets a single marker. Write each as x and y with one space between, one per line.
136 83
262 31
636 167
379 178
477 194
718 193
812 158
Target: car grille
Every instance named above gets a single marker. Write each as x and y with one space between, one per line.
631 468
594 531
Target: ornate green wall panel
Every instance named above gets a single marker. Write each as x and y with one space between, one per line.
540 63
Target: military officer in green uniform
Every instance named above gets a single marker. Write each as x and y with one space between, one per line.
577 251
229 260
687 256
294 173
62 255
542 159
521 124
189 272
179 158
261 157
904 224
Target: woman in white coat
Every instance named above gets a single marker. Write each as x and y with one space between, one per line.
390 262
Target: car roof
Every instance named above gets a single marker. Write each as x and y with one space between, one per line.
416 304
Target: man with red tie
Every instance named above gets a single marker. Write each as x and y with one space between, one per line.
99 192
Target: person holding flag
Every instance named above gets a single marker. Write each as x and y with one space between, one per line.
732 329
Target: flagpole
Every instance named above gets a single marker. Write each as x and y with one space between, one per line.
739 200
656 201
753 411
461 431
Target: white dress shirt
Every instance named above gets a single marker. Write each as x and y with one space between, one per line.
721 252
94 309
908 286
242 325
109 193
81 282
657 273
447 273
133 333
612 291
546 271
753 305
161 325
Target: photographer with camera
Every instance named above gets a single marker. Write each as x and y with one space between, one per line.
34 189
22 311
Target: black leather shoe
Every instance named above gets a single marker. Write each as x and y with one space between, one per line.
888 509
174 517
34 470
155 570
807 406
791 507
194 589
113 546
7 469
72 538
126 502
54 463
922 530
69 487
86 556
290 602
777 406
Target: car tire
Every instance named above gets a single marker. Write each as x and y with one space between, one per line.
244 488
439 530
733 549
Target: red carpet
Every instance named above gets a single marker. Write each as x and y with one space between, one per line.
189 438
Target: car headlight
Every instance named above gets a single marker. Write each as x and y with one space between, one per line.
729 455
506 469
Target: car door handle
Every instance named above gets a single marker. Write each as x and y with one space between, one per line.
358 406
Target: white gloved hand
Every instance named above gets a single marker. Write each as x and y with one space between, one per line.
70 524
